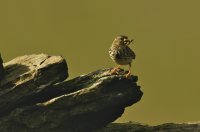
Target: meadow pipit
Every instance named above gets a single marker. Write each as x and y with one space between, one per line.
121 54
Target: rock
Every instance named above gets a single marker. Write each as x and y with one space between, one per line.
136 127
35 97
25 76
1 68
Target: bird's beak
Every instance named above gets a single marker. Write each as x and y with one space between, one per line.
129 41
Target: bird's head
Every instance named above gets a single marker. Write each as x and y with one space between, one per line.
122 40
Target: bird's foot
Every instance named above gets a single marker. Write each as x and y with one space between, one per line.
128 75
114 70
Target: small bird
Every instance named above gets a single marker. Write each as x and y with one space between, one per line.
121 54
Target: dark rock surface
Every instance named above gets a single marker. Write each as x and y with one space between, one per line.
136 127
1 68
35 97
26 76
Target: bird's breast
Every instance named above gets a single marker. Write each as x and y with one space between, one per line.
120 55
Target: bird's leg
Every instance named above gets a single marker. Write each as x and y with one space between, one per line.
129 71
115 69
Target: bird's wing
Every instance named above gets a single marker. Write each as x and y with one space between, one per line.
130 52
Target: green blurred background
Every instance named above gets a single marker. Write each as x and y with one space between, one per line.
167 45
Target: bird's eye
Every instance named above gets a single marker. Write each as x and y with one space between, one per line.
125 39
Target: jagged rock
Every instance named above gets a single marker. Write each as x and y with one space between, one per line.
25 76
136 127
1 68
34 98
